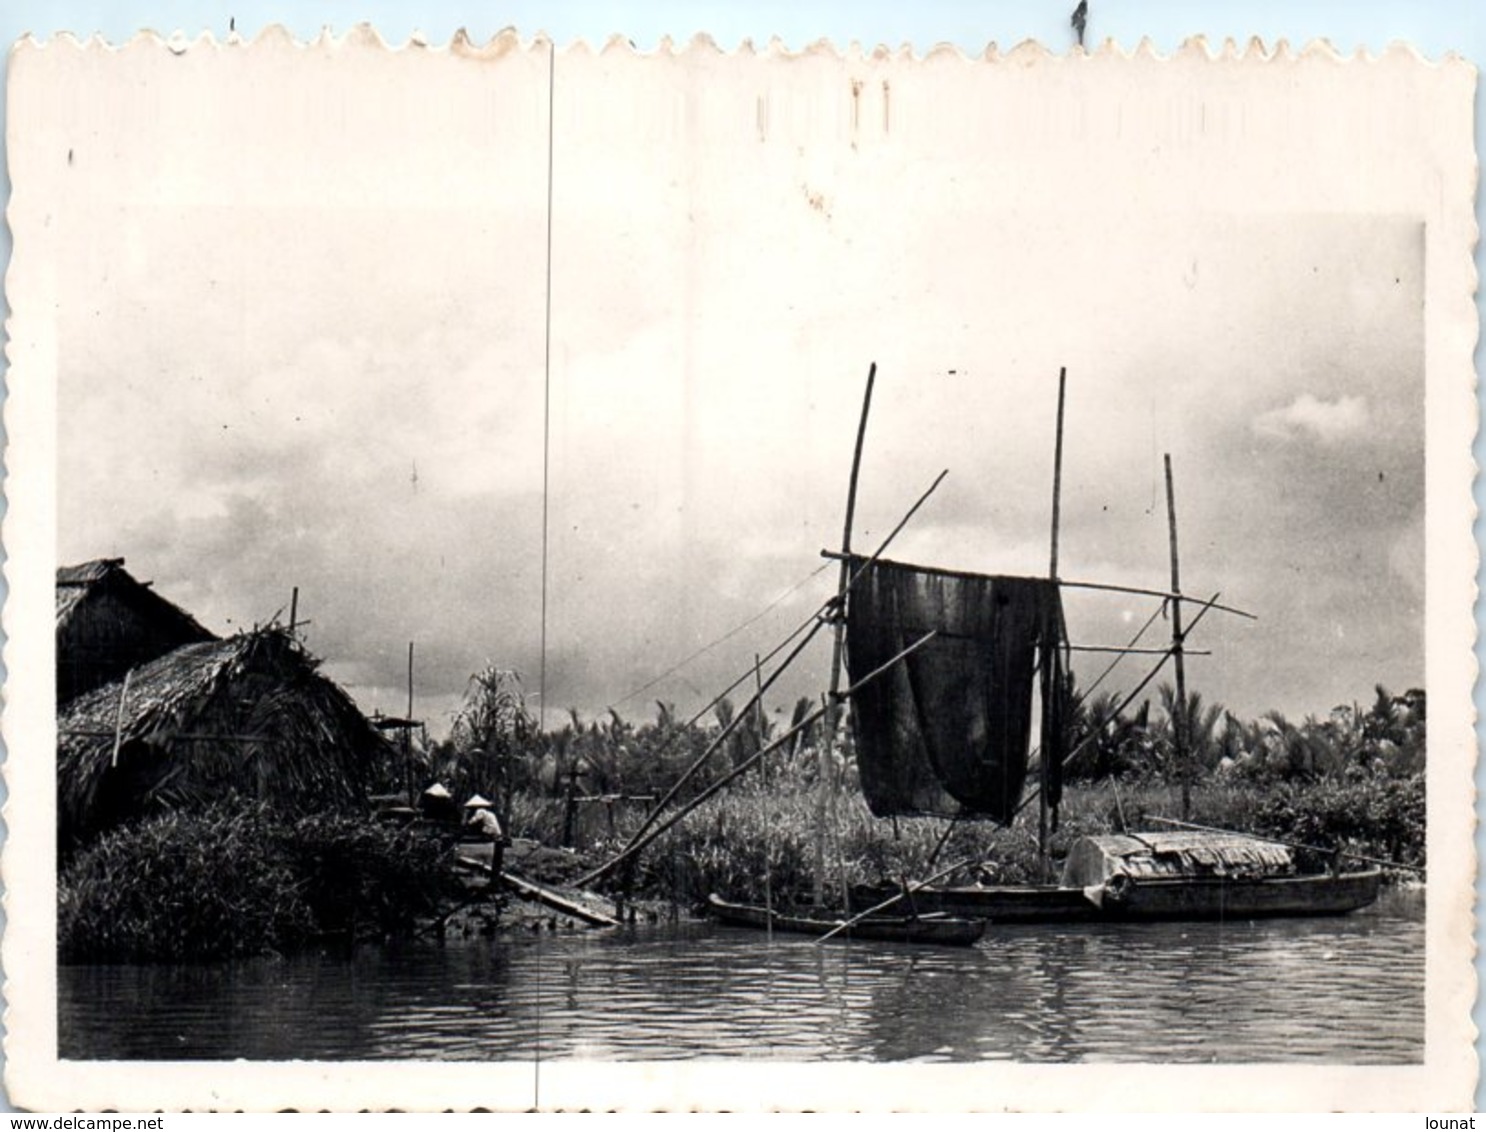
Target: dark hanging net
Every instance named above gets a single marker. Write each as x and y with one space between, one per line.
1057 697
946 732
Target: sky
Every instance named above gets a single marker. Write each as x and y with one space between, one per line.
276 373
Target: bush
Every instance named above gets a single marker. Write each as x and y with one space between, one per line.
228 883
1374 814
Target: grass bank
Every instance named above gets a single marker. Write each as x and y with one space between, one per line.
231 882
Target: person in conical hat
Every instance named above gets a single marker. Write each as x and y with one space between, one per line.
482 819
437 804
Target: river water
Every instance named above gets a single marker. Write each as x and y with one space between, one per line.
1341 991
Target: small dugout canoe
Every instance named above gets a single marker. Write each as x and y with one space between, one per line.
939 929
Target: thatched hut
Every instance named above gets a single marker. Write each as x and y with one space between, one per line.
108 622
249 716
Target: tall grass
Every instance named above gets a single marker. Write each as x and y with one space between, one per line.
225 883
757 841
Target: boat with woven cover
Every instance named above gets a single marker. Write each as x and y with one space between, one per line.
1186 875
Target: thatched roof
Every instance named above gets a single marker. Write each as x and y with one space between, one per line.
109 622
1093 860
249 715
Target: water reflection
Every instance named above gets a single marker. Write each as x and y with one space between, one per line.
1344 990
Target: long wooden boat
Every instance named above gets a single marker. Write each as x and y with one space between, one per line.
1155 876
934 928
1167 899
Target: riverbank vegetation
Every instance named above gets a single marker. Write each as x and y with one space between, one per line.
240 880
1352 781
243 878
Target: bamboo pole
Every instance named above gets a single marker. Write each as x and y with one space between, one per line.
1133 652
119 720
629 851
834 817
1179 722
294 611
530 890
769 830
1064 583
838 651
1046 681
1052 570
760 718
1067 585
939 845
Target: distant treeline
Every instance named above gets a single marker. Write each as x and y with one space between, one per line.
496 748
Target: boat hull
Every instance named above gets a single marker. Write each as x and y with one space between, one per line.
1205 898
947 931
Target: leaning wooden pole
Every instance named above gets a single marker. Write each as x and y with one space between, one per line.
119 719
838 653
1179 717
1052 572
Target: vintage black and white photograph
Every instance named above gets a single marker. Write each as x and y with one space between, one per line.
578 557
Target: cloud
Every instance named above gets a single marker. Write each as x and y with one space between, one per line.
1406 554
1307 416
700 420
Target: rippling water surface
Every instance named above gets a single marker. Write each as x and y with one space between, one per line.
1347 990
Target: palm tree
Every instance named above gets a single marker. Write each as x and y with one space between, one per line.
1112 741
1201 729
